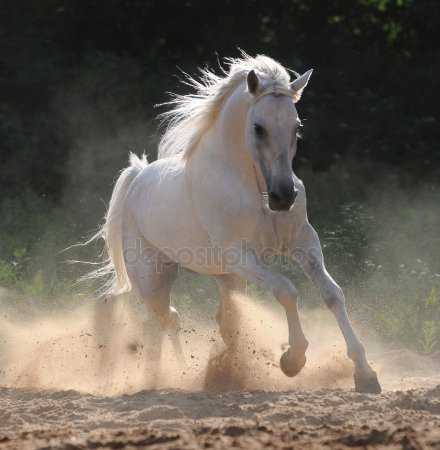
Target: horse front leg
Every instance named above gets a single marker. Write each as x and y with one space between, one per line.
308 254
293 359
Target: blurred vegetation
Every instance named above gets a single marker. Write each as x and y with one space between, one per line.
78 81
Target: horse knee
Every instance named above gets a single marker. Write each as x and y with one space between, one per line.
334 299
286 292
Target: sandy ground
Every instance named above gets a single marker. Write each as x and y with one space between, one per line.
55 394
326 418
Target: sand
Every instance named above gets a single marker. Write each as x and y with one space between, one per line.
55 394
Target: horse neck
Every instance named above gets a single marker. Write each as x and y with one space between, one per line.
229 131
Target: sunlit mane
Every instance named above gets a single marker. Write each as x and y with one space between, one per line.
193 114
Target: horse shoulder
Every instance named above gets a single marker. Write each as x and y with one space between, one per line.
225 206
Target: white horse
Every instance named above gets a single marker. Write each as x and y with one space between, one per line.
220 195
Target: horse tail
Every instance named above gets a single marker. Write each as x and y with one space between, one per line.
113 268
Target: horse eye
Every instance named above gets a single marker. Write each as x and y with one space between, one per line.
259 130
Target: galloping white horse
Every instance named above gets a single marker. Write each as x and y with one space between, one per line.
221 193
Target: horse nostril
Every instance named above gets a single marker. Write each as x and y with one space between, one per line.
281 201
274 196
287 193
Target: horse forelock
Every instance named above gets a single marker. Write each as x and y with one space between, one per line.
191 115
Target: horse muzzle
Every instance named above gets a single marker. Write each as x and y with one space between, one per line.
282 199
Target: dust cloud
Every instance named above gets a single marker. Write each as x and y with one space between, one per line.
65 352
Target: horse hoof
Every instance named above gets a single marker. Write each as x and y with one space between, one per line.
291 366
367 383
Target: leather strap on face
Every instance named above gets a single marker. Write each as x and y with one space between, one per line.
264 194
275 90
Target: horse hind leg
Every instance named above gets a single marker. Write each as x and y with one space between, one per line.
151 275
228 315
225 370
104 333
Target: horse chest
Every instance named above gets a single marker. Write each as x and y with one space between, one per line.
276 231
273 234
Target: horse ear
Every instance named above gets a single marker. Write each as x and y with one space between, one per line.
252 82
298 85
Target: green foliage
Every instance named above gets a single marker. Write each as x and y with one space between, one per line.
429 333
413 322
430 326
8 275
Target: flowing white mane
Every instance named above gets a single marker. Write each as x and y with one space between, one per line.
193 114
